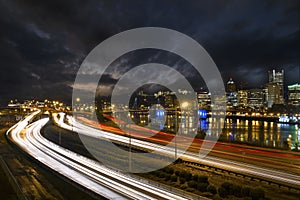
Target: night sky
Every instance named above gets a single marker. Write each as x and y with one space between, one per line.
43 43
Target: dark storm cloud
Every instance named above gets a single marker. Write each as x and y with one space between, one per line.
42 43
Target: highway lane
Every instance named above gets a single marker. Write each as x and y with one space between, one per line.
100 169
270 158
86 172
243 168
17 135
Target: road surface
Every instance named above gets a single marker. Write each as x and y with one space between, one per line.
86 172
239 167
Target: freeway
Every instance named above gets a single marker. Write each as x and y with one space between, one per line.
274 158
243 168
88 173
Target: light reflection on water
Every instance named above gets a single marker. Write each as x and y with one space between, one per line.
261 133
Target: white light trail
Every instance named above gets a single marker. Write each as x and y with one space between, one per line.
266 173
86 172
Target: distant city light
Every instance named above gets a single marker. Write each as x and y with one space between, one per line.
185 104
160 113
202 114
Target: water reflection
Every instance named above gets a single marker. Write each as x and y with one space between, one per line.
261 133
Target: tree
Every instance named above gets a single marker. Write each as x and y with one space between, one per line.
182 180
245 191
212 189
161 174
257 193
167 177
222 192
235 190
188 176
168 170
174 178
226 186
192 184
182 174
203 179
195 177
202 187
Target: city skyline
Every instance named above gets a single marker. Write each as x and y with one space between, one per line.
275 79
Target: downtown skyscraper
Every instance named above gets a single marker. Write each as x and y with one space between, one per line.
275 88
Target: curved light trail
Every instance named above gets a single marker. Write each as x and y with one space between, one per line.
239 167
88 173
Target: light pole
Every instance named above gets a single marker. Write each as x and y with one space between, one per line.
130 159
297 139
129 136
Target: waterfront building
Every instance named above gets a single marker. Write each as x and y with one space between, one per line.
231 94
275 88
255 98
242 98
294 95
204 100
274 96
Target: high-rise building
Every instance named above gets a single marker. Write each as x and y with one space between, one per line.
231 93
166 98
170 100
204 100
266 94
242 98
274 96
255 98
230 86
142 100
232 99
275 88
294 94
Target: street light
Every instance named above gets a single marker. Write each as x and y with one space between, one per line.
176 121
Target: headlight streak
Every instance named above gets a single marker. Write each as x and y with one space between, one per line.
269 174
86 172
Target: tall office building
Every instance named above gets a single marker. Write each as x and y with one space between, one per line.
242 98
294 95
230 86
231 93
204 100
275 88
273 94
255 98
